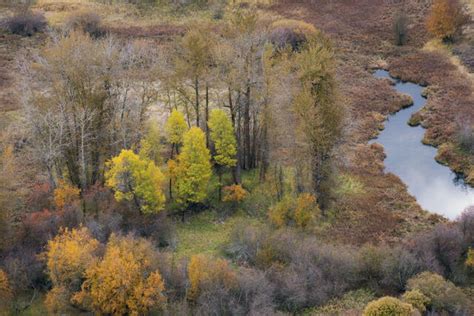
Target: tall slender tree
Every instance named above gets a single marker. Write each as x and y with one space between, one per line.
225 145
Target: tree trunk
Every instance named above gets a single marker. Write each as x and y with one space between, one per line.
196 106
207 116
219 171
247 137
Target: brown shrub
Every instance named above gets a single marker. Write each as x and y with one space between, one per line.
26 23
87 22
446 19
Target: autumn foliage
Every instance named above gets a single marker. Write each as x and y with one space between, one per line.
65 194
446 19
234 193
193 171
5 290
300 211
125 281
68 256
136 179
204 271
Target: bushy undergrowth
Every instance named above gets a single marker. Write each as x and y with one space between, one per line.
26 23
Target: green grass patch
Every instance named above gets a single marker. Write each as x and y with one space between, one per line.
206 233
349 185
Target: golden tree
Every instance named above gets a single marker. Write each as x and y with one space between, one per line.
65 194
68 256
136 179
225 144
126 281
446 19
194 168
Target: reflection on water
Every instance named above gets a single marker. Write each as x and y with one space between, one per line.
436 187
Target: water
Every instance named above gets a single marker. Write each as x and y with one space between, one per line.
435 187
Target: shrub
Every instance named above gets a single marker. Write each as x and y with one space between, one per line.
446 19
388 306
398 268
466 226
300 212
470 258
87 22
400 28
443 294
245 242
466 138
291 33
26 23
65 194
254 295
5 290
205 273
234 193
417 299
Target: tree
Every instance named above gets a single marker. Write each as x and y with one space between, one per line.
126 281
150 145
68 256
193 60
470 258
320 115
194 168
446 19
175 128
442 294
417 299
225 144
136 179
400 28
65 194
84 101
388 306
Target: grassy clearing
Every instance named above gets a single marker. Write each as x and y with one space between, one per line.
123 14
206 233
349 184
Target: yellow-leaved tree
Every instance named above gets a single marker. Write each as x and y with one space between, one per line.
65 194
175 128
126 281
68 256
446 19
136 179
194 168
225 144
470 258
150 146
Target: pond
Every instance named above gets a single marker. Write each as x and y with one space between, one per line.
436 188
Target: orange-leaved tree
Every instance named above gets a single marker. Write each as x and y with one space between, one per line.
126 281
446 19
68 256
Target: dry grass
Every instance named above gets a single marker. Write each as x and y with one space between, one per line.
363 37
